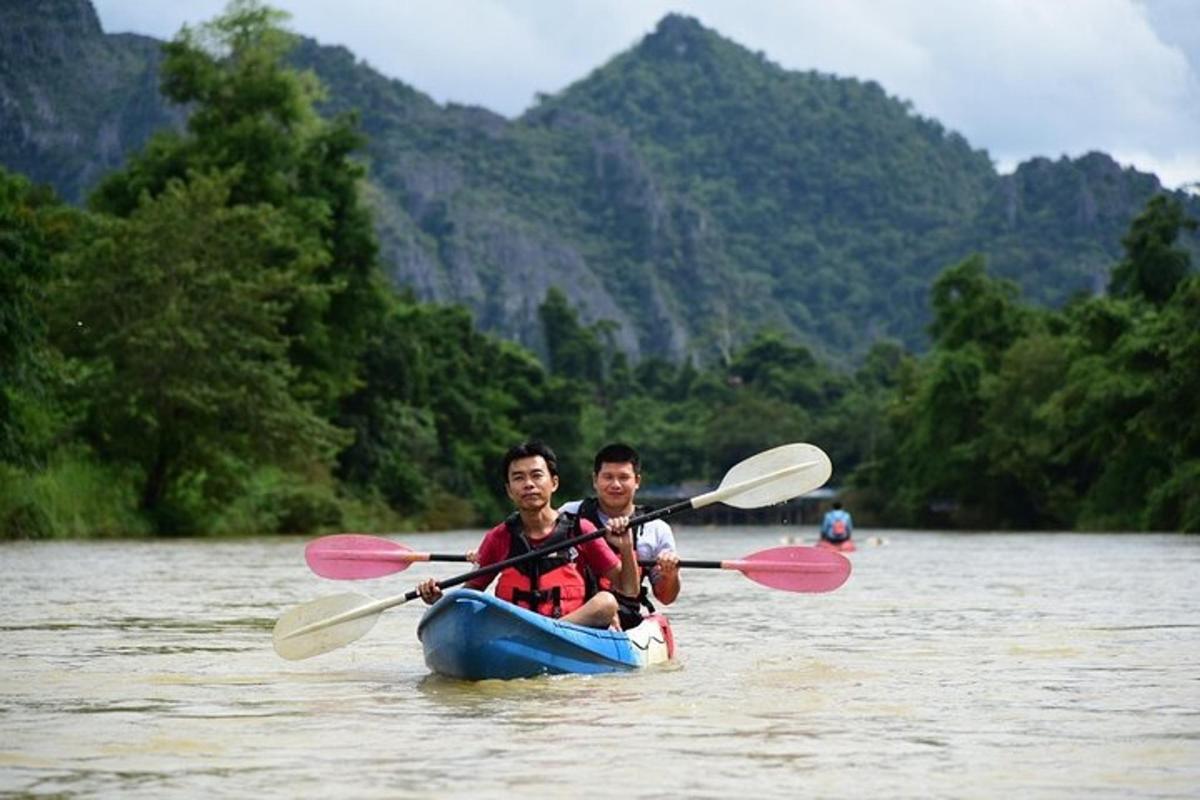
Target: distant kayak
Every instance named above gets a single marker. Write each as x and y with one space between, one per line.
476 636
846 546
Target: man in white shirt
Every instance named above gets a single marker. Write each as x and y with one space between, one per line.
616 477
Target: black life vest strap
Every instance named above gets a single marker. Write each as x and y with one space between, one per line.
644 598
589 509
534 568
535 597
518 545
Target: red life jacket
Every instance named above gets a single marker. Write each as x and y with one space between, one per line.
551 585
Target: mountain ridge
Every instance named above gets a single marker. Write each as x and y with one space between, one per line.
687 191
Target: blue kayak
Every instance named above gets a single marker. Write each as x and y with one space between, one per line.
476 636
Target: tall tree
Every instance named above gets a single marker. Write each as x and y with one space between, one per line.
1153 266
179 311
940 457
574 350
779 368
972 308
1174 423
439 405
34 226
252 118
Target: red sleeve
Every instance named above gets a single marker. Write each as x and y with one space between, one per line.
598 556
492 549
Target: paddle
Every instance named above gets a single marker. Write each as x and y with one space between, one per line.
350 556
355 556
772 476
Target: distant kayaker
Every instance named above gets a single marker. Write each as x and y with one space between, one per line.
838 526
616 477
554 585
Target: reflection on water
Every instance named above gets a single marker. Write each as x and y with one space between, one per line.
948 666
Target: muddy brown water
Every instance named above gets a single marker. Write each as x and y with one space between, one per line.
950 665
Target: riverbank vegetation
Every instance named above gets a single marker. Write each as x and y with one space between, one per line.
211 347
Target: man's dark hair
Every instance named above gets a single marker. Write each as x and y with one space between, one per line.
529 450
617 453
837 504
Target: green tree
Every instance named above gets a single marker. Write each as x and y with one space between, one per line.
1173 423
1125 412
1109 461
762 422
34 227
854 429
1023 486
574 351
252 118
972 308
776 367
178 318
937 424
439 405
937 457
1153 266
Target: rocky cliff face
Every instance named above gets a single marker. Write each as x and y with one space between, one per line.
73 101
1064 216
1095 191
689 192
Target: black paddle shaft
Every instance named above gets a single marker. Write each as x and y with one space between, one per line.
645 562
491 569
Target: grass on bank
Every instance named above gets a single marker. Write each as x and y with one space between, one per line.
75 497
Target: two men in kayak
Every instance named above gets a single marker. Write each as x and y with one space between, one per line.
555 585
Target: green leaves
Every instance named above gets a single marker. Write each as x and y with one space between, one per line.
179 314
1153 266
1084 417
34 229
252 120
971 307
218 330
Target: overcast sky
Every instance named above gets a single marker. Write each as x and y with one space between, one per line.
1019 78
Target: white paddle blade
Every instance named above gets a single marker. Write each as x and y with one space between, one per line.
323 625
771 477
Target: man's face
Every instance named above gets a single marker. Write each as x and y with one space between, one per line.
615 485
530 484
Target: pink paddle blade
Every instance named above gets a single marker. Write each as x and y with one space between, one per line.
795 569
355 556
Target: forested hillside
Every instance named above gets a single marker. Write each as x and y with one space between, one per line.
683 196
212 344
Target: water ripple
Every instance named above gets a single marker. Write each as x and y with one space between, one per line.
944 664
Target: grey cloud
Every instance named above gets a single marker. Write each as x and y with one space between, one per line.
1018 77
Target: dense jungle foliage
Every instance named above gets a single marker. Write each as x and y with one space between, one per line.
211 347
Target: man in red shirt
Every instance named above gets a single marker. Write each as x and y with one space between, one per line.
551 585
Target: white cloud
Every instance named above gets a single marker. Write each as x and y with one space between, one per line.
1020 78
1177 23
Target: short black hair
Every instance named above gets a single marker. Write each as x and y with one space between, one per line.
617 453
529 450
837 504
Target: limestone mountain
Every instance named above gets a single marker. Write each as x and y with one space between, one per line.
833 204
73 100
683 195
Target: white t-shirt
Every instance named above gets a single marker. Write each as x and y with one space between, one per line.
654 538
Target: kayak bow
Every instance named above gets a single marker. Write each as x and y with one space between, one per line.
476 636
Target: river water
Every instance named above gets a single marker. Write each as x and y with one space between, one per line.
949 665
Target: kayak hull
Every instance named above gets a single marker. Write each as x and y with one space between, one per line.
846 546
476 636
